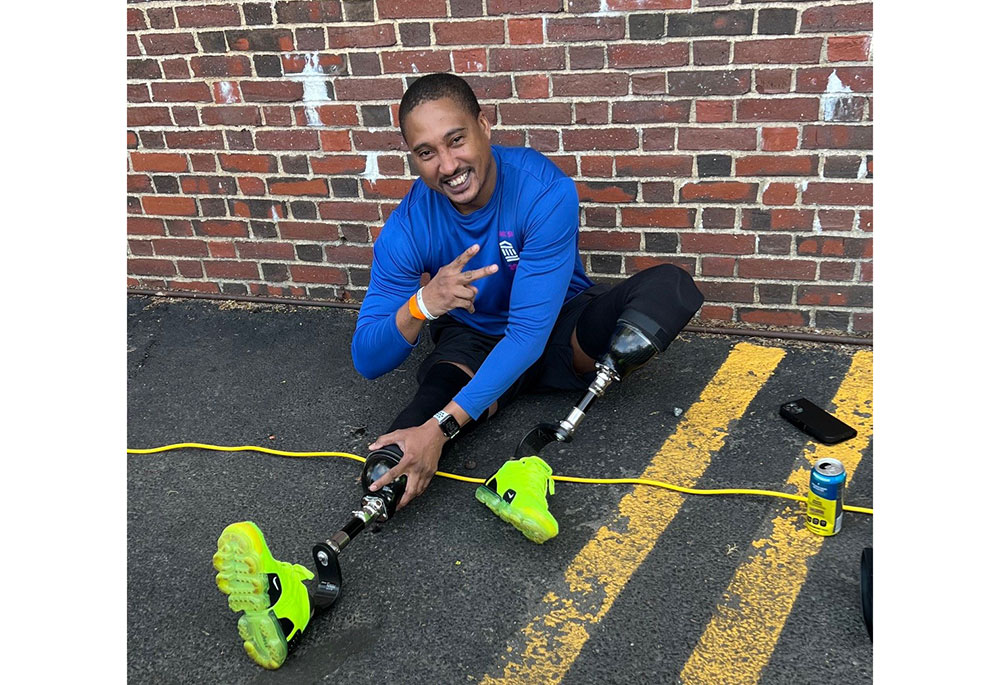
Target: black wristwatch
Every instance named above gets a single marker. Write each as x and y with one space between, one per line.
448 423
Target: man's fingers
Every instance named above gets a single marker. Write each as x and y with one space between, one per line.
476 274
467 254
389 476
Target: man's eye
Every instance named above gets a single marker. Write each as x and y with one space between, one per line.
457 140
424 154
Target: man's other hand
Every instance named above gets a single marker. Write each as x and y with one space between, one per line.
421 447
451 287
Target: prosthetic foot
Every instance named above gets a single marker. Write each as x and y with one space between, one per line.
516 493
271 593
635 341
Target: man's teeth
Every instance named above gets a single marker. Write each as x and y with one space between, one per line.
458 180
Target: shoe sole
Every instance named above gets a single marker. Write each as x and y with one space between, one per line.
525 523
241 577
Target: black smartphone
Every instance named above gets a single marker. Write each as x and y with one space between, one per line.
817 422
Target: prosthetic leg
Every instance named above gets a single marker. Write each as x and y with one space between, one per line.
636 340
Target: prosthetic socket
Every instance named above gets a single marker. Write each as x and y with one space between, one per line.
636 340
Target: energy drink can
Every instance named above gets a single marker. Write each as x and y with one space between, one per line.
825 501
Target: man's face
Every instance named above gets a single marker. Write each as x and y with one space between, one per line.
451 151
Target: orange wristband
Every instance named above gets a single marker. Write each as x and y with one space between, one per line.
414 309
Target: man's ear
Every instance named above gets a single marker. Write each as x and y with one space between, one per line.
484 123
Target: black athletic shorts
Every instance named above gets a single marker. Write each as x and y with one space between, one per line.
456 342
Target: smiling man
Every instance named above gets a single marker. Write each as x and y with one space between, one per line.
510 309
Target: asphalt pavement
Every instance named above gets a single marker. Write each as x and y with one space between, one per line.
641 585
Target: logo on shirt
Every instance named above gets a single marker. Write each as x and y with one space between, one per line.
507 249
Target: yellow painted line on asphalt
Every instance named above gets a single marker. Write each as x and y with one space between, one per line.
597 575
741 636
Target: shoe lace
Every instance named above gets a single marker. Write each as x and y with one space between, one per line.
537 478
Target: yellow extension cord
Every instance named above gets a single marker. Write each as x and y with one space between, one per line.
466 479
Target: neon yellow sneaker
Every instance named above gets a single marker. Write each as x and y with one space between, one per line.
272 593
517 494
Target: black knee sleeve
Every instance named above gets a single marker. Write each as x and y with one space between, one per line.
441 384
659 301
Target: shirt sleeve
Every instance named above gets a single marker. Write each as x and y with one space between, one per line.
378 347
547 259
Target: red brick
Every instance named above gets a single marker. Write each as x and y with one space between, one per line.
716 243
726 139
614 241
158 161
767 165
848 48
407 9
836 271
718 266
713 111
295 139
526 59
654 165
709 82
221 228
723 291
531 86
719 191
335 141
169 206
181 92
394 188
536 113
525 31
649 84
837 137
600 167
522 6
180 247
236 270
658 139
152 267
139 183
604 191
226 92
632 56
364 36
378 140
338 164
318 274
354 88
865 220
821 246
231 116
856 17
785 269
600 139
664 217
136 20
651 111
777 109
138 225
221 65
792 219
391 165
780 194
351 211
277 116
414 61
307 230
328 115
208 15
348 254
778 51
271 91
466 61
208 185
637 264
140 248
771 81
312 12
251 185
838 194
482 32
193 286
265 249
248 163
647 5
773 317
779 139
586 29
715 313
658 192
168 43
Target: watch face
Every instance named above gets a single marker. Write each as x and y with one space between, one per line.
448 423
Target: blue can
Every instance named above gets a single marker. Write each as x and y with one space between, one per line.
825 501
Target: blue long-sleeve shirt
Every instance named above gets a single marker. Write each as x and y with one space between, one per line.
529 228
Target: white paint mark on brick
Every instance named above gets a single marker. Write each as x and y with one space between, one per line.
414 67
835 91
863 168
313 87
226 91
371 167
856 226
274 213
817 226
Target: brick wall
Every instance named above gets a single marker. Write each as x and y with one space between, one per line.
732 138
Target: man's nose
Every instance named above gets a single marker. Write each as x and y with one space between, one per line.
448 163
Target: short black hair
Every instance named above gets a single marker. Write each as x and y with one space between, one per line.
435 87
